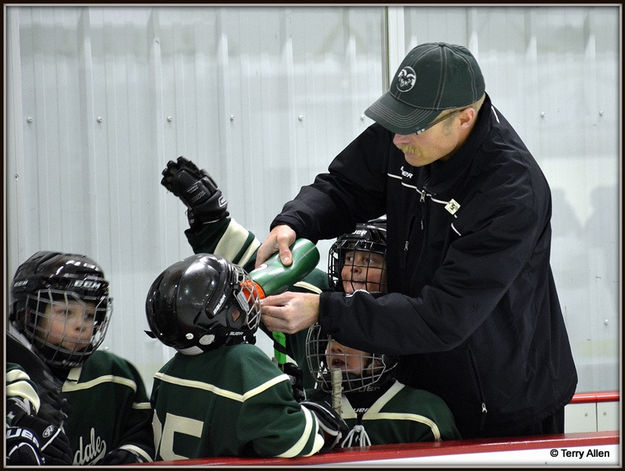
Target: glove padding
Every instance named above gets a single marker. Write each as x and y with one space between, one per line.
332 424
22 447
49 441
120 456
197 190
296 378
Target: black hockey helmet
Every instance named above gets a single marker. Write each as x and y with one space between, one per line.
203 302
64 282
367 237
375 367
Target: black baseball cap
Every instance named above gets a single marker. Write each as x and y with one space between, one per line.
433 77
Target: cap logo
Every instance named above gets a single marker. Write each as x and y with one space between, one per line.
406 79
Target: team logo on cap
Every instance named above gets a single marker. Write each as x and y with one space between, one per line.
406 79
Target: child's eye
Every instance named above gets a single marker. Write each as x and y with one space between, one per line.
374 262
60 310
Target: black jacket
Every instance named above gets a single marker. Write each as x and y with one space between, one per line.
472 305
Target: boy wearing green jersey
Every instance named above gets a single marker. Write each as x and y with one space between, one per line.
59 313
220 395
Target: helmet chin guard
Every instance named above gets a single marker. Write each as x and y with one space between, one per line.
201 303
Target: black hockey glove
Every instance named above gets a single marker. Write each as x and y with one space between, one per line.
197 190
120 456
49 441
332 424
296 378
22 447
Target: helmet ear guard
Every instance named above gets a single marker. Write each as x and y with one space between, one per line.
201 303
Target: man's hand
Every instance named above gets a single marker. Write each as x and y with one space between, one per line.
279 240
196 189
290 312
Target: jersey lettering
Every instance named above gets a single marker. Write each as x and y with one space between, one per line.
93 451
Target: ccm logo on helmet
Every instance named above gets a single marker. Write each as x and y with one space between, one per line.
89 284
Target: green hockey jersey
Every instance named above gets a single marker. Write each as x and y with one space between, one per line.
401 414
232 401
108 406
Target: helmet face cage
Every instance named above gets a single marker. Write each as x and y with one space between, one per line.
245 291
65 327
346 253
374 366
203 301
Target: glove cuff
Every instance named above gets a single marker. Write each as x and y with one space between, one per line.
212 210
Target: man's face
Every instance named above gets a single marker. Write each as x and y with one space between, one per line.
437 142
67 324
363 270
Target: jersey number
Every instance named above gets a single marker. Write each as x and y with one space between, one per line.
164 434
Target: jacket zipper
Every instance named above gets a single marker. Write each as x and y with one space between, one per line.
422 201
410 227
484 410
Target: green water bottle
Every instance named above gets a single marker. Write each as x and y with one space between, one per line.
272 277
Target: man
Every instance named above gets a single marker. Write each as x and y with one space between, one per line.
472 306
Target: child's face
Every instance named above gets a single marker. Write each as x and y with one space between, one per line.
363 270
347 359
68 324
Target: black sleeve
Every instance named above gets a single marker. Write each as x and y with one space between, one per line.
472 280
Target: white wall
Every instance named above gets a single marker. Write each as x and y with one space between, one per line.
98 99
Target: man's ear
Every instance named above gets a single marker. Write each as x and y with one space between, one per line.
467 117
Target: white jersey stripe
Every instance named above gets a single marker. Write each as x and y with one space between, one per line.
219 391
231 242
